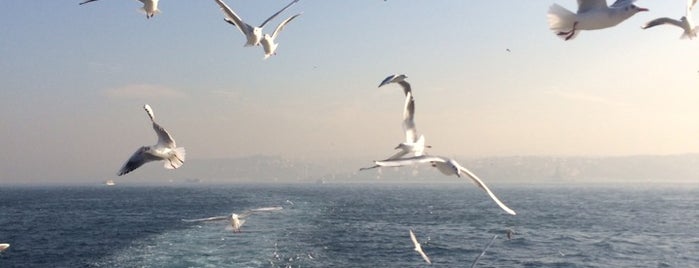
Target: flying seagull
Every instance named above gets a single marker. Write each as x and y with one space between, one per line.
150 7
236 220
165 149
591 15
414 143
253 34
686 22
448 167
418 248
267 41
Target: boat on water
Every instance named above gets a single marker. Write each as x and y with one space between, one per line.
110 183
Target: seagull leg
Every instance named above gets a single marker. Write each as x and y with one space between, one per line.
568 34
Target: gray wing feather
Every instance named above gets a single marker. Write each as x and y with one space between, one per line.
586 5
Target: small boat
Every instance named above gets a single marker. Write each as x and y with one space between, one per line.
110 183
4 246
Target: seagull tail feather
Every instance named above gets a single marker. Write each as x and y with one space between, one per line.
561 19
176 160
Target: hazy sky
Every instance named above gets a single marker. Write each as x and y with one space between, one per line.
73 80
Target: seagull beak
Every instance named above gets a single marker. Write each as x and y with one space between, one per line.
642 9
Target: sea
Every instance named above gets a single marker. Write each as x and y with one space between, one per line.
350 225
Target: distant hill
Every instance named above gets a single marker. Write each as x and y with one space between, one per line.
515 169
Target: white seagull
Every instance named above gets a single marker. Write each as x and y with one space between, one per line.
418 248
267 41
591 15
236 220
414 143
4 246
253 34
165 149
686 22
448 167
150 7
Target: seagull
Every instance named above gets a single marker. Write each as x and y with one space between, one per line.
418 248
448 167
4 246
413 143
483 252
686 22
267 41
690 31
253 34
591 15
150 7
165 149
510 234
237 220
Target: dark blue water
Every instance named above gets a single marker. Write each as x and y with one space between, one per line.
349 226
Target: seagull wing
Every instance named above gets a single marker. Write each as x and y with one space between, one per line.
391 78
233 18
217 218
485 188
690 4
622 3
418 248
88 1
280 27
410 161
164 138
278 12
387 80
408 119
661 21
136 160
587 5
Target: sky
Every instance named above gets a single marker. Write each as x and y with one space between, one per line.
74 78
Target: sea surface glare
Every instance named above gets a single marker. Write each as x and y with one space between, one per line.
333 225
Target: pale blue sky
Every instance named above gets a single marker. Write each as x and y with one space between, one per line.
73 80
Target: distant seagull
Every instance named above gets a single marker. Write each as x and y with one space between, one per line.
686 22
483 252
690 31
508 50
237 220
510 234
591 15
253 34
267 41
418 248
4 246
150 7
414 143
165 149
448 167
